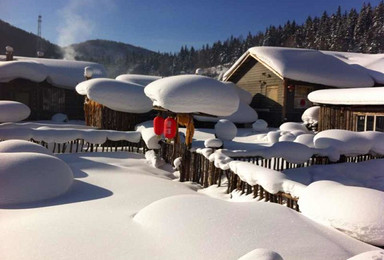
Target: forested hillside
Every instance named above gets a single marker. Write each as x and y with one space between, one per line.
352 31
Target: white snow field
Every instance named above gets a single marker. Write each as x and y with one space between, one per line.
120 207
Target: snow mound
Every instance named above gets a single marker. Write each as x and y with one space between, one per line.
292 152
261 254
244 95
193 93
29 177
372 255
260 125
311 115
244 114
59 117
349 142
142 80
213 143
16 146
116 95
148 135
244 227
356 211
306 139
293 126
225 129
154 160
13 111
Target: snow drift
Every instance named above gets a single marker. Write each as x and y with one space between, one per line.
355 211
28 177
13 111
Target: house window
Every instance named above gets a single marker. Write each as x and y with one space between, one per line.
370 122
301 93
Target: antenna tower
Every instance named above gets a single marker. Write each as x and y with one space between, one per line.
39 43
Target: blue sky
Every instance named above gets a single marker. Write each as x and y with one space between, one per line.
160 25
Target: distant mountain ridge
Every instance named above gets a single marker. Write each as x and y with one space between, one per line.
348 31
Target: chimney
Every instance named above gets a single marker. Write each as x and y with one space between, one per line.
40 54
9 53
88 73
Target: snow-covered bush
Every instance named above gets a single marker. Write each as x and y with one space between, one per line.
30 177
13 111
225 130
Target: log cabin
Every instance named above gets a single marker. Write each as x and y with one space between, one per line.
359 109
280 79
47 86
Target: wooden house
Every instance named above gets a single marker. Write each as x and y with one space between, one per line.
47 86
280 79
360 109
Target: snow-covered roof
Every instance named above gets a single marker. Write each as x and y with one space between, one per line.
60 73
357 96
117 95
137 78
192 94
337 69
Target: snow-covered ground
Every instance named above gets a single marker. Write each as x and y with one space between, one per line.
119 207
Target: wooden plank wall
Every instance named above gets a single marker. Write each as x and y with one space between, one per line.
99 116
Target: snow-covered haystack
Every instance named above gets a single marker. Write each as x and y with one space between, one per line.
117 95
17 146
13 111
225 130
261 254
311 115
213 143
28 177
355 211
193 94
142 80
240 227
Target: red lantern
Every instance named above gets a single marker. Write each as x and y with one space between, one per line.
170 128
158 125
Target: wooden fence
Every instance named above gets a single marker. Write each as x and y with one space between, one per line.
79 146
197 168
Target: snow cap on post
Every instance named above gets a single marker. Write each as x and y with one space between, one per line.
193 94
